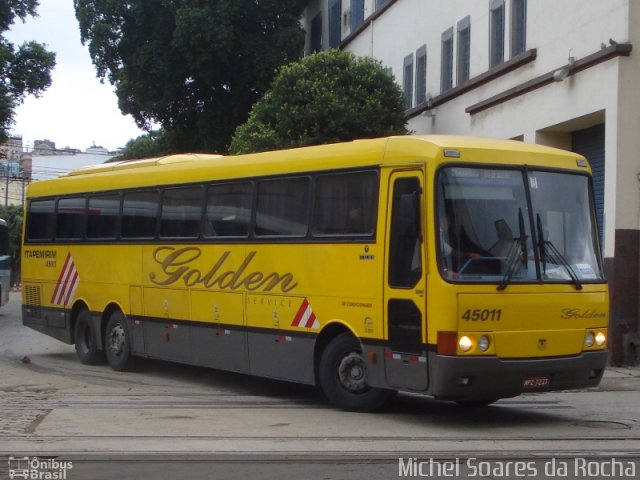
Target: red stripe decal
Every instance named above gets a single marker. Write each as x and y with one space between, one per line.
62 274
298 318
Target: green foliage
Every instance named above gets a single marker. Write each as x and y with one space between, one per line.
195 67
13 214
25 70
326 97
152 144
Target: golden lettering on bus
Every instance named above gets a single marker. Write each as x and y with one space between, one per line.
176 265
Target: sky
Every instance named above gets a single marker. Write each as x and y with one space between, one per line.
77 110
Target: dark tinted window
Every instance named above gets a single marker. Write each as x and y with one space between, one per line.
228 210
139 212
4 239
283 207
181 212
345 204
496 32
70 218
405 262
41 220
102 216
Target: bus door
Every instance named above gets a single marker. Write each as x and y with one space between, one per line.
405 283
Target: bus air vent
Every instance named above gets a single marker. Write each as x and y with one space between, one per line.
32 295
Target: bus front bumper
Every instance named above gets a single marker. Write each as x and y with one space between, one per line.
490 378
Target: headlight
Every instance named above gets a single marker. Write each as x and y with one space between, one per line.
484 343
601 339
589 340
465 343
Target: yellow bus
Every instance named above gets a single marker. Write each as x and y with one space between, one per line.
463 268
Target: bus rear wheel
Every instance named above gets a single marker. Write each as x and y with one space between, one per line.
343 377
117 342
86 340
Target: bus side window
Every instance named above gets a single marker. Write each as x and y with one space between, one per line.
139 214
282 207
405 262
345 204
71 214
102 216
181 212
228 211
41 220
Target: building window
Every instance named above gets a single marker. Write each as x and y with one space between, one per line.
446 77
335 25
421 75
464 50
496 32
380 4
357 14
518 26
315 40
407 81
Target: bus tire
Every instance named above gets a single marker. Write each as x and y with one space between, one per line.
342 376
86 340
117 342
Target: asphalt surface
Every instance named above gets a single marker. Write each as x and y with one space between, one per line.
169 421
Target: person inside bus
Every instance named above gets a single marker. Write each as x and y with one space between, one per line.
457 247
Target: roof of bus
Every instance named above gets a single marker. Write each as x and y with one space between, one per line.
401 150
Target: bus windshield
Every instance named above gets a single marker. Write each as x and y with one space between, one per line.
510 225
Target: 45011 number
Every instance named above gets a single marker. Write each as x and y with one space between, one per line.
482 315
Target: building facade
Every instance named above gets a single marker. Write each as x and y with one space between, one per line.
555 73
15 171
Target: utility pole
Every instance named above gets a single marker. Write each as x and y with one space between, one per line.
6 186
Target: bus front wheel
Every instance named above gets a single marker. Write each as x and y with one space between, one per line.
86 340
343 377
117 342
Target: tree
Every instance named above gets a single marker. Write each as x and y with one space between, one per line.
23 71
326 97
13 214
194 67
152 144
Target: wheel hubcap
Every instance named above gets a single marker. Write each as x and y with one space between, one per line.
116 339
352 373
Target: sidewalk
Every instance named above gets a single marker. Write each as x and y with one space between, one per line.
621 379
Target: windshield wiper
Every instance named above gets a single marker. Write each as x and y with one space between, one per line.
523 243
519 246
556 257
543 252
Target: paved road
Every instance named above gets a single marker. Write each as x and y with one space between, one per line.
170 421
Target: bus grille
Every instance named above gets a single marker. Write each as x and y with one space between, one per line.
32 295
33 300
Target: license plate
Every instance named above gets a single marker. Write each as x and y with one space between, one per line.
536 381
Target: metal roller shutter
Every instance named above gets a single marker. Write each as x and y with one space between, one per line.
590 143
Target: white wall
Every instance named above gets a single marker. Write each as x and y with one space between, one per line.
557 29
51 166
